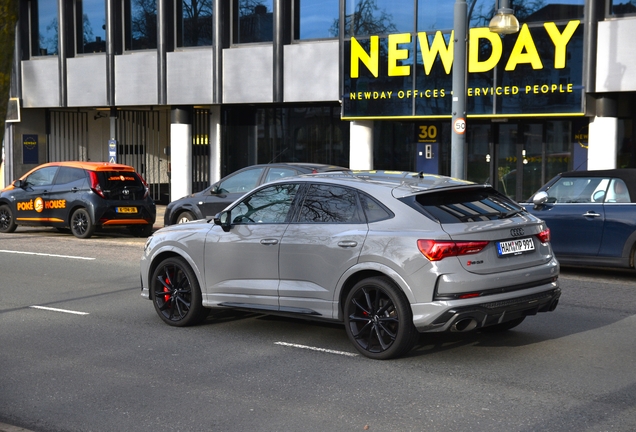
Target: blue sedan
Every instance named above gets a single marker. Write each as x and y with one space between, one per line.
591 216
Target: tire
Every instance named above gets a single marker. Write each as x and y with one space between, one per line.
141 230
81 224
7 221
504 326
378 319
184 217
176 293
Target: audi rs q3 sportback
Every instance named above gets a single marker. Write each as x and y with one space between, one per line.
389 255
80 197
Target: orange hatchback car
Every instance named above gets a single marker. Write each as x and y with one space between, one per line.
80 197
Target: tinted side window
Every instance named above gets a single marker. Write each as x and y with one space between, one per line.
466 205
69 175
41 177
373 210
578 190
279 173
329 204
617 192
244 181
268 205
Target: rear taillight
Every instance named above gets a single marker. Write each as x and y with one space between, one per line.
544 236
436 250
95 186
147 189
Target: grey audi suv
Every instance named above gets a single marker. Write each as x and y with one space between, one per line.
390 255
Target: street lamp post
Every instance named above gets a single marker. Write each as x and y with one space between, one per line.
504 22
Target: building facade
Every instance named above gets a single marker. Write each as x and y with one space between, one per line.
188 91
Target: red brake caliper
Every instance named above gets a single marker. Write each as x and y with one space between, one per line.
166 298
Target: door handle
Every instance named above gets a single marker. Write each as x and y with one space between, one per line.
347 243
591 214
268 242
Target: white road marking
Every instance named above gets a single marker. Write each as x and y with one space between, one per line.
59 310
316 349
49 255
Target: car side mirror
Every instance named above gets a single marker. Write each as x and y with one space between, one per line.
19 184
224 220
539 199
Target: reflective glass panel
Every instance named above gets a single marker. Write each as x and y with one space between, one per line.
317 19
194 24
625 7
92 15
375 17
141 24
47 27
255 21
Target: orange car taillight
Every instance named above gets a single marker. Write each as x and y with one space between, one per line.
95 186
436 250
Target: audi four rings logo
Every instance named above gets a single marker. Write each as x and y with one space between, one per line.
517 232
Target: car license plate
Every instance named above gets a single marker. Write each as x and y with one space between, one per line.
126 209
515 247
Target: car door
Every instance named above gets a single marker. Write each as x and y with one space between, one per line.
242 263
69 184
33 197
575 215
229 189
620 223
323 241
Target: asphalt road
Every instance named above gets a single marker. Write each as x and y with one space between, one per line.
81 351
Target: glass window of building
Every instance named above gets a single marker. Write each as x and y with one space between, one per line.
253 21
140 24
622 8
90 22
316 19
46 26
194 23
377 17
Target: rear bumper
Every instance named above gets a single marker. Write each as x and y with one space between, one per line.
466 315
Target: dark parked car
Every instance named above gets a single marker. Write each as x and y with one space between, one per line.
591 216
215 198
80 197
388 256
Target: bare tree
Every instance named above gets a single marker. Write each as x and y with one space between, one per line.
367 19
8 19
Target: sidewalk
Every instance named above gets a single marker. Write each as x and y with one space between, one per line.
161 209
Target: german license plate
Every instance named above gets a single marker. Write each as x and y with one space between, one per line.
126 209
515 247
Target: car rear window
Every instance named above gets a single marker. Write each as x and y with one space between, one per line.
113 184
465 205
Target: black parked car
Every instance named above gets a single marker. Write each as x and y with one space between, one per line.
591 216
215 198
80 197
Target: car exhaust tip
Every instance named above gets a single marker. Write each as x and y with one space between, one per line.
464 325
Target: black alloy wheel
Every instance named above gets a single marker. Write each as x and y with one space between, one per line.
7 222
379 320
81 224
176 294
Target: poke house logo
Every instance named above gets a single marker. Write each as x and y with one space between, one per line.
39 205
400 58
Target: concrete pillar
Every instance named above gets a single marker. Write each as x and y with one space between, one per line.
215 143
602 143
180 153
361 145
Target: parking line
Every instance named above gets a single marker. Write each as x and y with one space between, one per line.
49 255
59 310
344 353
